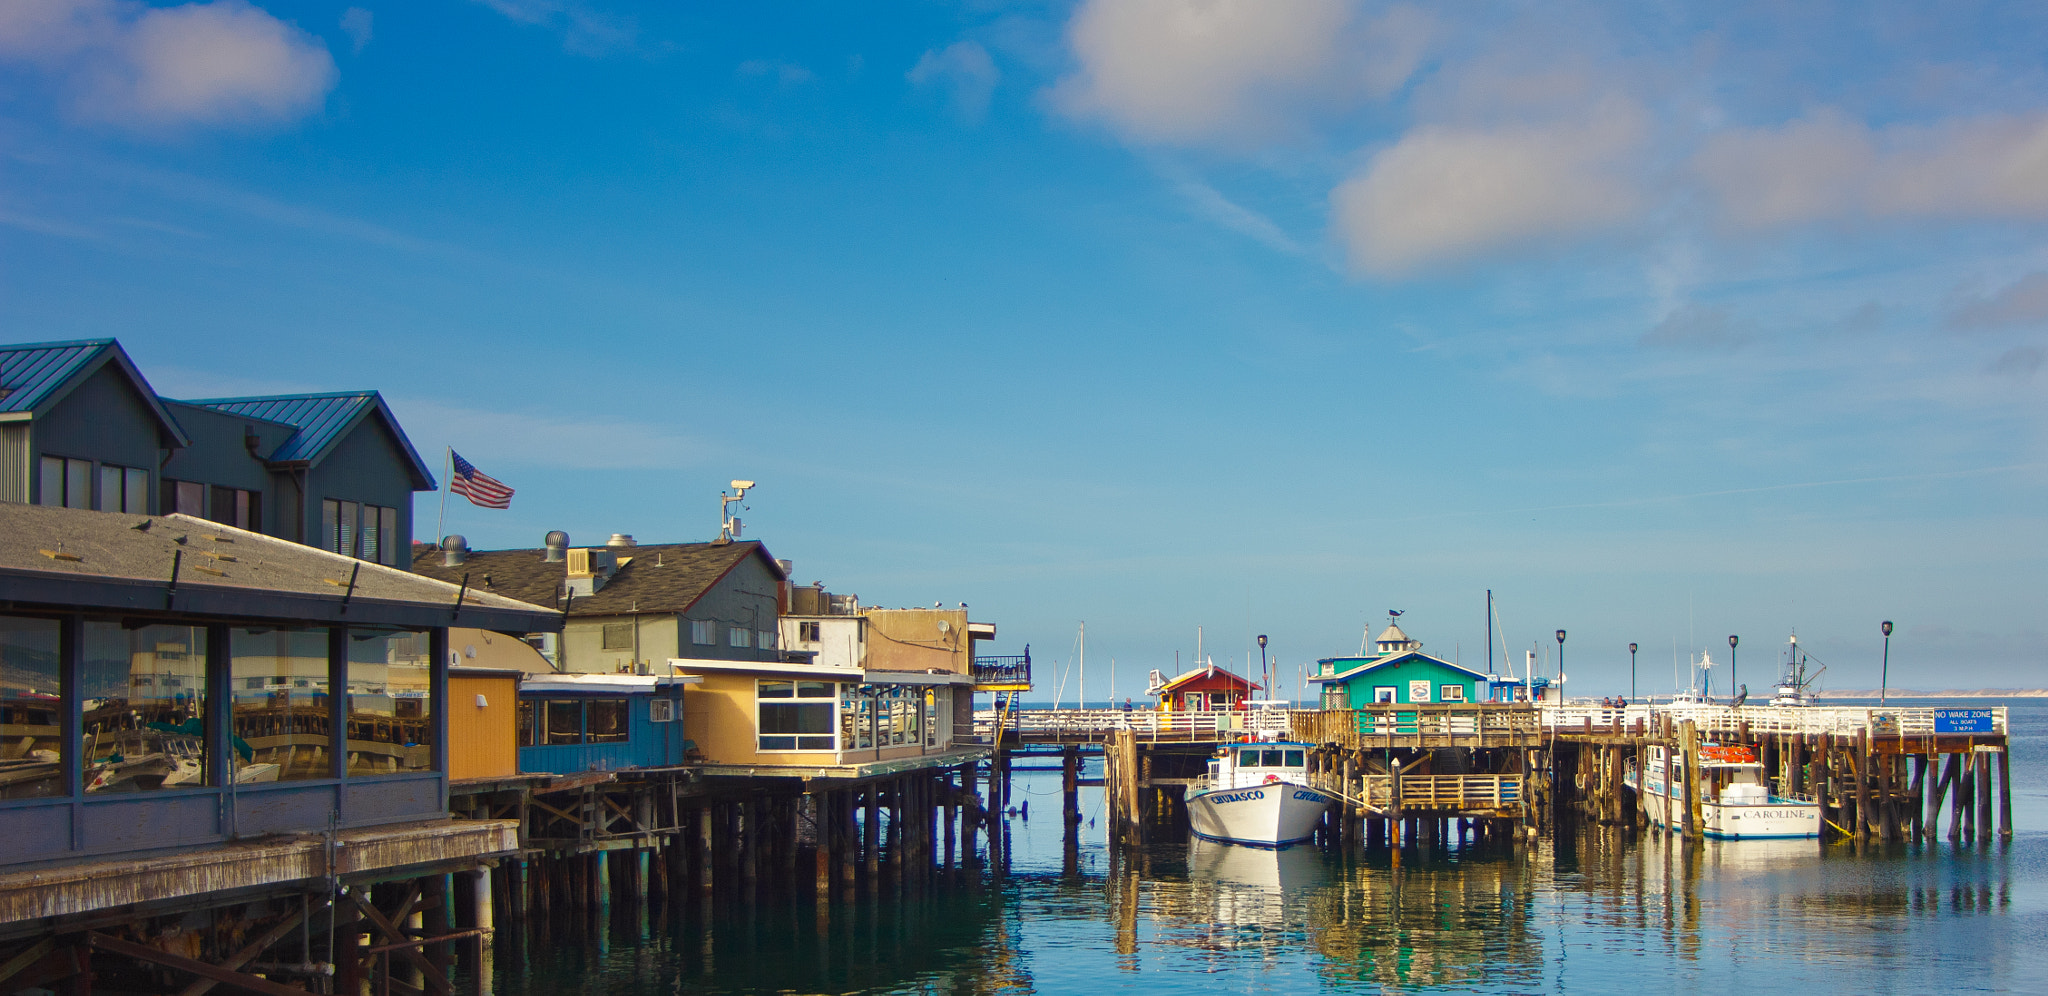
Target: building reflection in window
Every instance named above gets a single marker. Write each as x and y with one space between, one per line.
31 686
145 708
390 702
278 682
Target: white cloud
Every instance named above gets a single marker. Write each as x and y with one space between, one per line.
1828 167
358 24
1201 71
148 68
1445 193
966 69
786 73
584 31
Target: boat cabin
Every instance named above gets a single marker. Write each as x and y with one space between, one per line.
1243 765
1209 689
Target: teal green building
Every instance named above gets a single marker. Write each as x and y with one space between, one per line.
1399 673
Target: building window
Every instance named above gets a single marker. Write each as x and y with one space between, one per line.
66 483
279 677
238 508
390 702
807 632
184 498
795 715
529 724
146 727
765 639
353 529
1386 693
703 632
618 636
564 722
739 637
661 711
606 721
31 710
1451 693
123 489
931 717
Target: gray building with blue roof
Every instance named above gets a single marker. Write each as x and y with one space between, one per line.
80 427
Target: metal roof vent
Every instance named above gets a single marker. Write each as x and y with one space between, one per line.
454 550
558 546
619 541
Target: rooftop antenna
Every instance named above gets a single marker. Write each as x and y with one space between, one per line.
729 525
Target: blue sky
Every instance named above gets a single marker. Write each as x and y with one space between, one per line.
1662 321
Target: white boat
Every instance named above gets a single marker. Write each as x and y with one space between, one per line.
1736 801
1795 687
1257 794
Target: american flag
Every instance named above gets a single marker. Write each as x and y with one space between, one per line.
480 488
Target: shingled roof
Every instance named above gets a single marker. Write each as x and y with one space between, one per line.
655 578
160 563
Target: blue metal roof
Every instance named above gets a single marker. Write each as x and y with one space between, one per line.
34 374
30 372
322 419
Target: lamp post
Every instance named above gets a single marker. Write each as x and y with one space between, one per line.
1732 687
1560 666
1885 676
1264 670
1631 672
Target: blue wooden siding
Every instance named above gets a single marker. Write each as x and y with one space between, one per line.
648 744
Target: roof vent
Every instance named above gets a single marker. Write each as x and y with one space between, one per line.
619 541
558 545
454 550
787 567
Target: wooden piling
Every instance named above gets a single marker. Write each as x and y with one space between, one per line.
2005 792
1983 779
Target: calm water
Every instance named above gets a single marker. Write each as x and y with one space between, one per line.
1593 912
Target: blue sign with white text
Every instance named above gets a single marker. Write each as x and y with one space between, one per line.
1962 721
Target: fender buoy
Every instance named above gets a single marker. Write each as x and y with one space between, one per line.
1270 779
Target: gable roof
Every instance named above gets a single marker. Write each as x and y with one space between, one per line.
1362 665
659 578
322 420
1204 672
37 375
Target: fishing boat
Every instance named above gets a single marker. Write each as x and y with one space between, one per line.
1257 794
1795 686
1736 801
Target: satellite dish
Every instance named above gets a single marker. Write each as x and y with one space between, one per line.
469 651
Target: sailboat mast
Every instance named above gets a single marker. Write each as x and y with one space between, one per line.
1082 694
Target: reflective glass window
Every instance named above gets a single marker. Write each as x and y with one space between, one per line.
31 744
565 721
279 688
607 719
145 708
390 702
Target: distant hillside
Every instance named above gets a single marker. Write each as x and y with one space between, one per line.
1946 693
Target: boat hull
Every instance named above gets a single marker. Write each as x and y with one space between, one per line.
1776 820
1275 814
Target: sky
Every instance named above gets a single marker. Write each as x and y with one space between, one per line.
1662 322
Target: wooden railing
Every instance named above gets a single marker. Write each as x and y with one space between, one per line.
1883 721
1463 793
1443 725
1073 725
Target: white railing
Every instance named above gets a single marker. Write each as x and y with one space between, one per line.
1917 721
1070 724
1040 724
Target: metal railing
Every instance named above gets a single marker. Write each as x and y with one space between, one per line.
1028 725
1010 670
1883 721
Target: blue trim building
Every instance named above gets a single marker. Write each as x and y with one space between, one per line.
570 723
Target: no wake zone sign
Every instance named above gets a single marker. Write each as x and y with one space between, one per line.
1962 721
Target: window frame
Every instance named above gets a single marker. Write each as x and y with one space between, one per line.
801 697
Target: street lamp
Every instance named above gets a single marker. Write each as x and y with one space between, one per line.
1885 675
1631 672
1732 687
1264 670
1560 666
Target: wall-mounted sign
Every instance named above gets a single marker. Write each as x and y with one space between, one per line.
1962 721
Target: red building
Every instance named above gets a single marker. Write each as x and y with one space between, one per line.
1207 689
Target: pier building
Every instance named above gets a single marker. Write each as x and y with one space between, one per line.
214 743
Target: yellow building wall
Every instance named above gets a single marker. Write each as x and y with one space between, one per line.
719 715
483 741
483 648
913 640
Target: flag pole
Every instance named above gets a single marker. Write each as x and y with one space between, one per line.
446 479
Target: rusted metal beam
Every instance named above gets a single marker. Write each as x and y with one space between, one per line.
226 977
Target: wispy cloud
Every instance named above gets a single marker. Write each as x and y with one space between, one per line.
966 70
584 29
1207 202
2023 303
